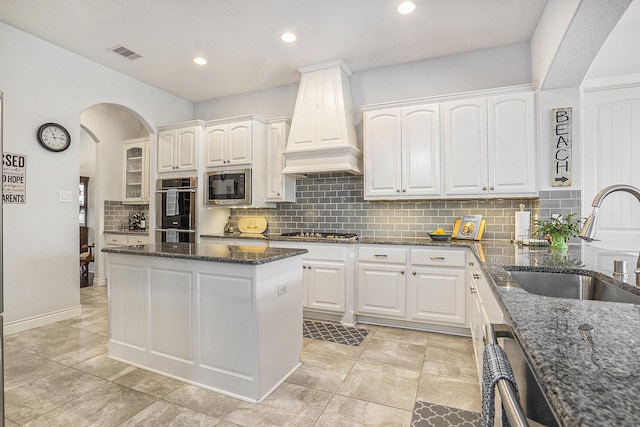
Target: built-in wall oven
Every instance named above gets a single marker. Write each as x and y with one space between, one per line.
228 187
176 210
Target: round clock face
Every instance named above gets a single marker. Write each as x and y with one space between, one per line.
54 137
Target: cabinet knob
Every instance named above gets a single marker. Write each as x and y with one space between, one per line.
397 190
491 188
401 271
414 273
476 276
472 289
304 266
278 194
404 190
470 263
484 188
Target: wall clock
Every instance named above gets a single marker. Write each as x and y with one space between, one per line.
54 137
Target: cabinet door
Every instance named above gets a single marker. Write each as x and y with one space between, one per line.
421 151
465 147
476 324
134 178
511 149
166 153
326 285
215 140
382 154
382 290
186 149
239 143
437 295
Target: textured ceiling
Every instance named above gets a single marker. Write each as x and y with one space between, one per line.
240 38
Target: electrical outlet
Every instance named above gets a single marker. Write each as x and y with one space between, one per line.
282 289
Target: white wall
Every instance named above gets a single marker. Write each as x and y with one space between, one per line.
43 83
488 68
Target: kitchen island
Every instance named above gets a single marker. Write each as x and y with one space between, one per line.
226 318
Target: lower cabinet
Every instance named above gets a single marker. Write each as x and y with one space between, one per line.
424 285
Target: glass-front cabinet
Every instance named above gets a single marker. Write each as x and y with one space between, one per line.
135 179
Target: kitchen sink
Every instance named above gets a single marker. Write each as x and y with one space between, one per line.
571 285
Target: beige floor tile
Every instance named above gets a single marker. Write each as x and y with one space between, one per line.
31 400
225 423
109 405
104 367
454 342
347 412
289 405
9 423
450 392
22 367
393 353
164 413
201 400
450 363
381 384
321 372
333 349
402 335
306 341
148 382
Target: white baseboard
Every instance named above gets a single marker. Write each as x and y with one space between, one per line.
99 281
42 320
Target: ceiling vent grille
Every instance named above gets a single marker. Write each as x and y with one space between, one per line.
125 53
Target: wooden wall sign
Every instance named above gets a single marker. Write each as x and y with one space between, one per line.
561 133
14 178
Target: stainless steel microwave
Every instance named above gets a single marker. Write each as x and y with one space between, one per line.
228 187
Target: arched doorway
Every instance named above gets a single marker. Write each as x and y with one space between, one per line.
105 127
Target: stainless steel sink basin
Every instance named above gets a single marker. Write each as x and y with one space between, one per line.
569 285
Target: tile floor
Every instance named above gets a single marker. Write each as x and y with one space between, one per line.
60 375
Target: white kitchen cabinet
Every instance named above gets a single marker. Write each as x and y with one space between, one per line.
135 171
425 285
229 142
328 278
280 187
126 239
178 147
489 146
483 308
402 152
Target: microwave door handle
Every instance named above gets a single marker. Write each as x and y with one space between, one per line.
179 190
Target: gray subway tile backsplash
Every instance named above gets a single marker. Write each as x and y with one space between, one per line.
335 202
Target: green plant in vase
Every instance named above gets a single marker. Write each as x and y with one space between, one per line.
560 229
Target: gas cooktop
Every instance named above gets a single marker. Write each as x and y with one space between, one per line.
317 235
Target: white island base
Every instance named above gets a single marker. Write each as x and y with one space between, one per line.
228 327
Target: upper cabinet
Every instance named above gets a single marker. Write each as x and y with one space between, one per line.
489 146
402 152
229 143
452 147
280 187
178 147
135 171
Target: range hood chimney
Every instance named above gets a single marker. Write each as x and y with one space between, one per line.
323 131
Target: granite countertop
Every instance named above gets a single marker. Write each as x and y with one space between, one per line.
585 387
126 232
209 252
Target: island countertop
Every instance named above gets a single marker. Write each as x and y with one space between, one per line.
209 252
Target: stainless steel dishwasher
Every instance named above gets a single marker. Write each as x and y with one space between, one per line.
533 404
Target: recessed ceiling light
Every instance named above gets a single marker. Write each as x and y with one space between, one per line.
200 61
288 37
406 7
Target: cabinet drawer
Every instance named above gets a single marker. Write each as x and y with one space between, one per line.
382 254
440 257
116 240
137 240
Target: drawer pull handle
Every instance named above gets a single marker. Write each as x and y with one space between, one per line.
472 289
470 263
476 276
380 255
437 258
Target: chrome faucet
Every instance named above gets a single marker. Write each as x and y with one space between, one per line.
588 231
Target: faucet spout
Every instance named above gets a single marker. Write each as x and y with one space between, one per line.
588 231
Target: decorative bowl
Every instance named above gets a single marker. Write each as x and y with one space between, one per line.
440 237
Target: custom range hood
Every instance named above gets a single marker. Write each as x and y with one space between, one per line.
323 132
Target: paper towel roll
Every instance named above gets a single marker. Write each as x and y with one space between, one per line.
522 226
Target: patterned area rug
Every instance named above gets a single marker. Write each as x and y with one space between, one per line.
432 415
335 333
